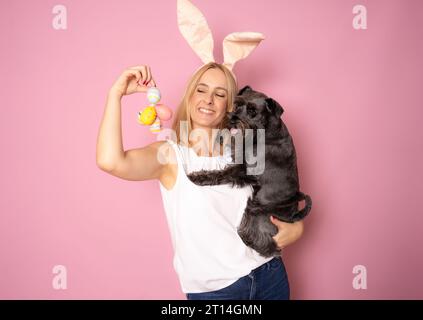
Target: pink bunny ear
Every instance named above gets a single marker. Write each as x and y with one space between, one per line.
193 26
239 45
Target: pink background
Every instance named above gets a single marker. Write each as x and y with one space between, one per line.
352 102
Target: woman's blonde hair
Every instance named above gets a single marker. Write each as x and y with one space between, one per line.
183 113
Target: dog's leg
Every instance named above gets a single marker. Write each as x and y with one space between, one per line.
256 231
254 206
234 175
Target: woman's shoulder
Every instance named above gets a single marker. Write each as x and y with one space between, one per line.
165 151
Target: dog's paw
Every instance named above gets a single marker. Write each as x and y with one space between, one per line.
247 180
198 179
254 207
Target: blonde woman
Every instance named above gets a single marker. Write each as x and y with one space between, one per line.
210 258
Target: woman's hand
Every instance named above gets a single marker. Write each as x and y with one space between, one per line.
288 232
133 79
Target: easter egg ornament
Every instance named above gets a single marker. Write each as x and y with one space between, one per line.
156 127
153 95
152 114
163 112
147 116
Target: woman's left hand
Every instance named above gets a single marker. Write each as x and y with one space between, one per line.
287 232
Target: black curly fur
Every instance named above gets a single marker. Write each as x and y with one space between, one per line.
276 190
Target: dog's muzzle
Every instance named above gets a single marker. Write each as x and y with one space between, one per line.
233 121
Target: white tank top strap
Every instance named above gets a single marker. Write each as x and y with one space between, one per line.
180 161
176 148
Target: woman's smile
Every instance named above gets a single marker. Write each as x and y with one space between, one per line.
206 111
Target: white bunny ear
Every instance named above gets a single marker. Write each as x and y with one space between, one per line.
193 26
239 45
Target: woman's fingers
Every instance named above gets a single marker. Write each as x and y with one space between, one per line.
147 76
144 72
126 84
147 80
153 82
141 88
287 232
135 73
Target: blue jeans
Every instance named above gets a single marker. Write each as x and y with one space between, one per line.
267 282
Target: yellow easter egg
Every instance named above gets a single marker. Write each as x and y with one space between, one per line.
148 115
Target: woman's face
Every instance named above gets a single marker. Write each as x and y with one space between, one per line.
208 103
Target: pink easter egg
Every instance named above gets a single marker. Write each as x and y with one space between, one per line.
163 112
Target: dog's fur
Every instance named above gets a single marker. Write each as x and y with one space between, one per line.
276 190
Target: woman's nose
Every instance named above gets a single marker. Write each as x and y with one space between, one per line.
208 99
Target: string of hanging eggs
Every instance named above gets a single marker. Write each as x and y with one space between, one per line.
154 112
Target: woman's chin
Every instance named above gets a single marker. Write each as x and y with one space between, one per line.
207 123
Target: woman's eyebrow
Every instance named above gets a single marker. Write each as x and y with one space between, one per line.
203 84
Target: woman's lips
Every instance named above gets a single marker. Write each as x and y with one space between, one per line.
205 111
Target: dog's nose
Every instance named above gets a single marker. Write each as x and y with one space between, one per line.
233 119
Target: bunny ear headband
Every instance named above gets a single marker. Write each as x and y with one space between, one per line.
193 26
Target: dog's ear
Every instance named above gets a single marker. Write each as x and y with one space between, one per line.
245 89
274 107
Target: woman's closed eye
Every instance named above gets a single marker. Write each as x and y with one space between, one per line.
221 96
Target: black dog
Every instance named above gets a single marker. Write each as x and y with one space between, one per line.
276 188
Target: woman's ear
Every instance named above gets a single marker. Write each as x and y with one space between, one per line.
245 89
274 107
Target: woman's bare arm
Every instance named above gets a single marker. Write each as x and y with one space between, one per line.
135 164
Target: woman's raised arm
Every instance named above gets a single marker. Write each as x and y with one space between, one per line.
135 164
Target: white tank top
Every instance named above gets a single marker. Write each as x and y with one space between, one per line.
208 252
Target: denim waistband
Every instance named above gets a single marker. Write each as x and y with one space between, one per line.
266 264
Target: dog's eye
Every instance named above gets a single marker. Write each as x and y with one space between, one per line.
237 108
252 112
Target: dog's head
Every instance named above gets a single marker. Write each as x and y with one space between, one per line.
254 110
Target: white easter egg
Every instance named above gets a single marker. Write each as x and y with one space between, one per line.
153 95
